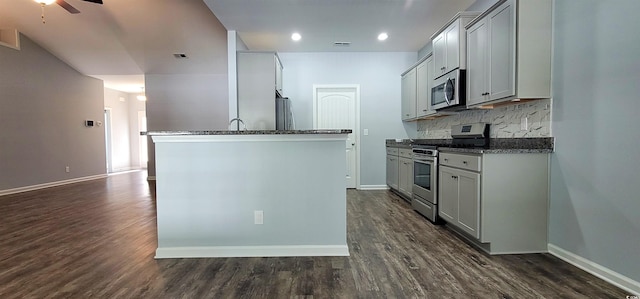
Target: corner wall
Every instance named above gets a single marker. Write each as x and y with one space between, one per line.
185 102
44 103
378 74
595 190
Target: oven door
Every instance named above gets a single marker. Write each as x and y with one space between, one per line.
424 179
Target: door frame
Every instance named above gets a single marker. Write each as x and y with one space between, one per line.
356 130
108 138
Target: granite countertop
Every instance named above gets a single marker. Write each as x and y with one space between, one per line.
245 132
496 145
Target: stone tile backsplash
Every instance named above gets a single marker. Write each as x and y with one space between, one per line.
505 121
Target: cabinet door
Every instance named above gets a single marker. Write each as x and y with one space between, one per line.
439 55
452 35
502 53
405 176
477 89
447 194
469 202
392 172
424 74
409 170
409 95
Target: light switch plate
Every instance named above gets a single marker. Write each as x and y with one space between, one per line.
524 126
366 132
258 217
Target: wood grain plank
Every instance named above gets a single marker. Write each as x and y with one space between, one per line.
97 239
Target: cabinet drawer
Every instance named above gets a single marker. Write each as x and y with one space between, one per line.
469 162
405 153
392 151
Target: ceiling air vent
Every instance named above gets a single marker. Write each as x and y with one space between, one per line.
342 44
180 55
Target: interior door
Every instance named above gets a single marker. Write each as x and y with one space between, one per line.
336 109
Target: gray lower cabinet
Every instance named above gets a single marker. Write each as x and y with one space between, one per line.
400 170
497 201
460 199
405 176
392 172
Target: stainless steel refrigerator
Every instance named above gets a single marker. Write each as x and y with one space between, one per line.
284 116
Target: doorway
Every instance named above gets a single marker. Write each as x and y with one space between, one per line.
107 139
142 145
338 107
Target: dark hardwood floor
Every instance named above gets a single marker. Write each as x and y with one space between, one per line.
97 240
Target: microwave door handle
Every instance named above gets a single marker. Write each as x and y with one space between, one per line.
446 98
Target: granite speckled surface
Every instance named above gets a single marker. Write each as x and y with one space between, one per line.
245 132
496 145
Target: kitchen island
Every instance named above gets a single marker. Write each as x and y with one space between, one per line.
251 193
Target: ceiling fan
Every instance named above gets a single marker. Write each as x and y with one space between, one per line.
65 4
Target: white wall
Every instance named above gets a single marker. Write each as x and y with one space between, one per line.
135 106
180 102
43 106
379 77
595 185
118 103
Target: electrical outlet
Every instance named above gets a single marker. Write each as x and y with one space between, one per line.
258 217
524 126
67 169
366 132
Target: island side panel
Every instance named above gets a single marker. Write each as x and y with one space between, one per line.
207 193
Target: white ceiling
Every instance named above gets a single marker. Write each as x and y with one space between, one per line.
122 40
268 24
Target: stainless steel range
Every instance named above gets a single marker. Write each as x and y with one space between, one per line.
425 181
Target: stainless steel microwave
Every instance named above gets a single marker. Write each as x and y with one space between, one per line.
449 91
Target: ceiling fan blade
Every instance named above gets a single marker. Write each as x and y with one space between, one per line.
94 1
67 6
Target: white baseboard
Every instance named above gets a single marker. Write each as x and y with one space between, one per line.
52 184
373 187
151 178
604 273
251 251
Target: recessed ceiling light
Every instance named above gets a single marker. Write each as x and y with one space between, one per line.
296 36
382 36
45 2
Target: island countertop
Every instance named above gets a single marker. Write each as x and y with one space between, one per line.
246 132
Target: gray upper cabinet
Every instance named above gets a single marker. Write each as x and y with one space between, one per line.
449 44
408 95
509 53
424 78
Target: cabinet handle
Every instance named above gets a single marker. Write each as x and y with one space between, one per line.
424 110
454 177
446 160
443 68
464 162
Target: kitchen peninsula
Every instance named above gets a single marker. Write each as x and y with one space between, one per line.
251 193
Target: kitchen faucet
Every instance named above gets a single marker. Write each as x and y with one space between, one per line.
239 122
